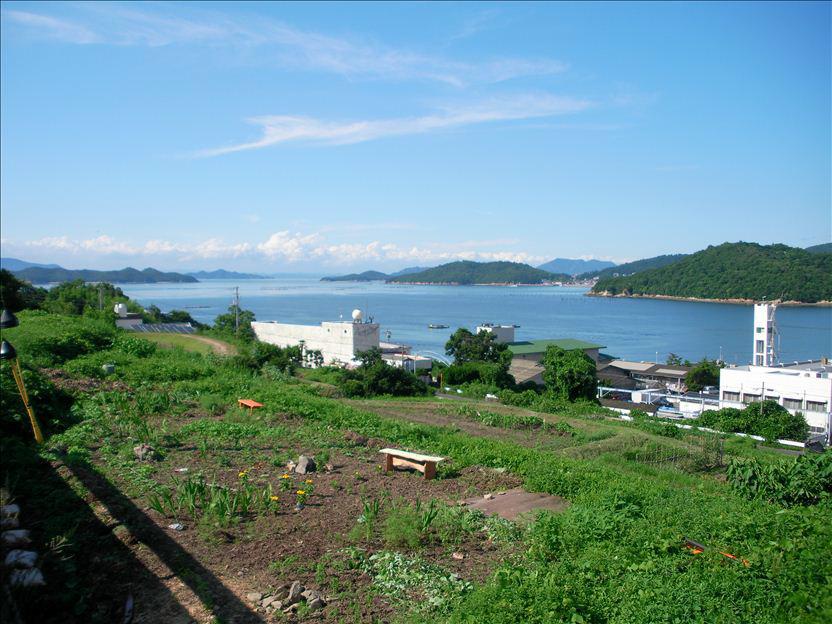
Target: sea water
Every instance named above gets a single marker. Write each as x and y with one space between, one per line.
635 329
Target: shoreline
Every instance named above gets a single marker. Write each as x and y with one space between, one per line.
796 304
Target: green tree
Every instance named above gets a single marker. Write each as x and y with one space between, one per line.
18 295
370 357
676 360
704 373
465 346
226 323
569 374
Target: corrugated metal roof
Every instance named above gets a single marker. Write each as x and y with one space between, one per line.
539 346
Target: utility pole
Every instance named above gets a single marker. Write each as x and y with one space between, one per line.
237 311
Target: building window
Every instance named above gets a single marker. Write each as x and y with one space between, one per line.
750 398
760 346
773 397
815 406
759 330
759 360
793 404
817 429
731 396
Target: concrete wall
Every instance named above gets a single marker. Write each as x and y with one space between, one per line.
779 384
338 341
502 333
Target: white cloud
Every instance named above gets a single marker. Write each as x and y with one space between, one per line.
285 128
277 42
53 27
283 247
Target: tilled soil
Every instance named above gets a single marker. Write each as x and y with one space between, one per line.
210 571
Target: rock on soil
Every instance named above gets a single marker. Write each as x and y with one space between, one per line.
21 559
16 538
145 452
305 465
26 578
355 438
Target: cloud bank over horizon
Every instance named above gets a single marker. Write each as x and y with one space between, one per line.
283 249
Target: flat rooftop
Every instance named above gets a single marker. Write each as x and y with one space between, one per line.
539 346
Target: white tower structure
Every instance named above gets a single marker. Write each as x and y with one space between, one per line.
765 335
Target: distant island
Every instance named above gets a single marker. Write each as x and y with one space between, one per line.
732 272
129 275
372 276
822 248
466 272
575 266
223 274
15 264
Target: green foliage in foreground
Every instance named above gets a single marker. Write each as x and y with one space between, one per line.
806 480
734 271
614 555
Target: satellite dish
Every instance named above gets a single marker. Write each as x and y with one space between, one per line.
356 315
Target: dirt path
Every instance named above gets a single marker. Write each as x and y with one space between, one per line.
219 347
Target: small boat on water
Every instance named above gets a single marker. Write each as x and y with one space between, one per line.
437 326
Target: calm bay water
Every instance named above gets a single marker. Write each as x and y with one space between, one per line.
635 329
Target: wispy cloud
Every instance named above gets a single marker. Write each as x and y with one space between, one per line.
286 128
276 42
284 247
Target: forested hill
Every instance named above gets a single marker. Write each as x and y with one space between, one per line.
822 248
129 275
637 266
734 271
468 272
366 276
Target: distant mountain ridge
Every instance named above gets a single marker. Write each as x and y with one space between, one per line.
466 272
637 266
128 275
575 266
822 248
14 264
223 274
733 271
366 276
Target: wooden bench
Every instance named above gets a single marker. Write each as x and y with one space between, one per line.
251 405
395 458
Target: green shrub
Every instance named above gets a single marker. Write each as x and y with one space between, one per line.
766 418
804 480
131 345
50 339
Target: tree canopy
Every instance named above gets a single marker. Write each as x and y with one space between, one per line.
569 374
226 323
704 373
734 271
466 346
468 272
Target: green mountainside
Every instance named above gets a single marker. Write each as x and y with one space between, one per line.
129 275
822 248
468 272
366 276
223 274
734 271
637 266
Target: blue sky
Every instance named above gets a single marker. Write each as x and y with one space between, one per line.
290 137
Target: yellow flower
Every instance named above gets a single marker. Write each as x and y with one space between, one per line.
285 476
301 492
274 498
309 481
242 473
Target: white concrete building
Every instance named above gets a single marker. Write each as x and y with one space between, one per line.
338 341
804 387
502 333
765 335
